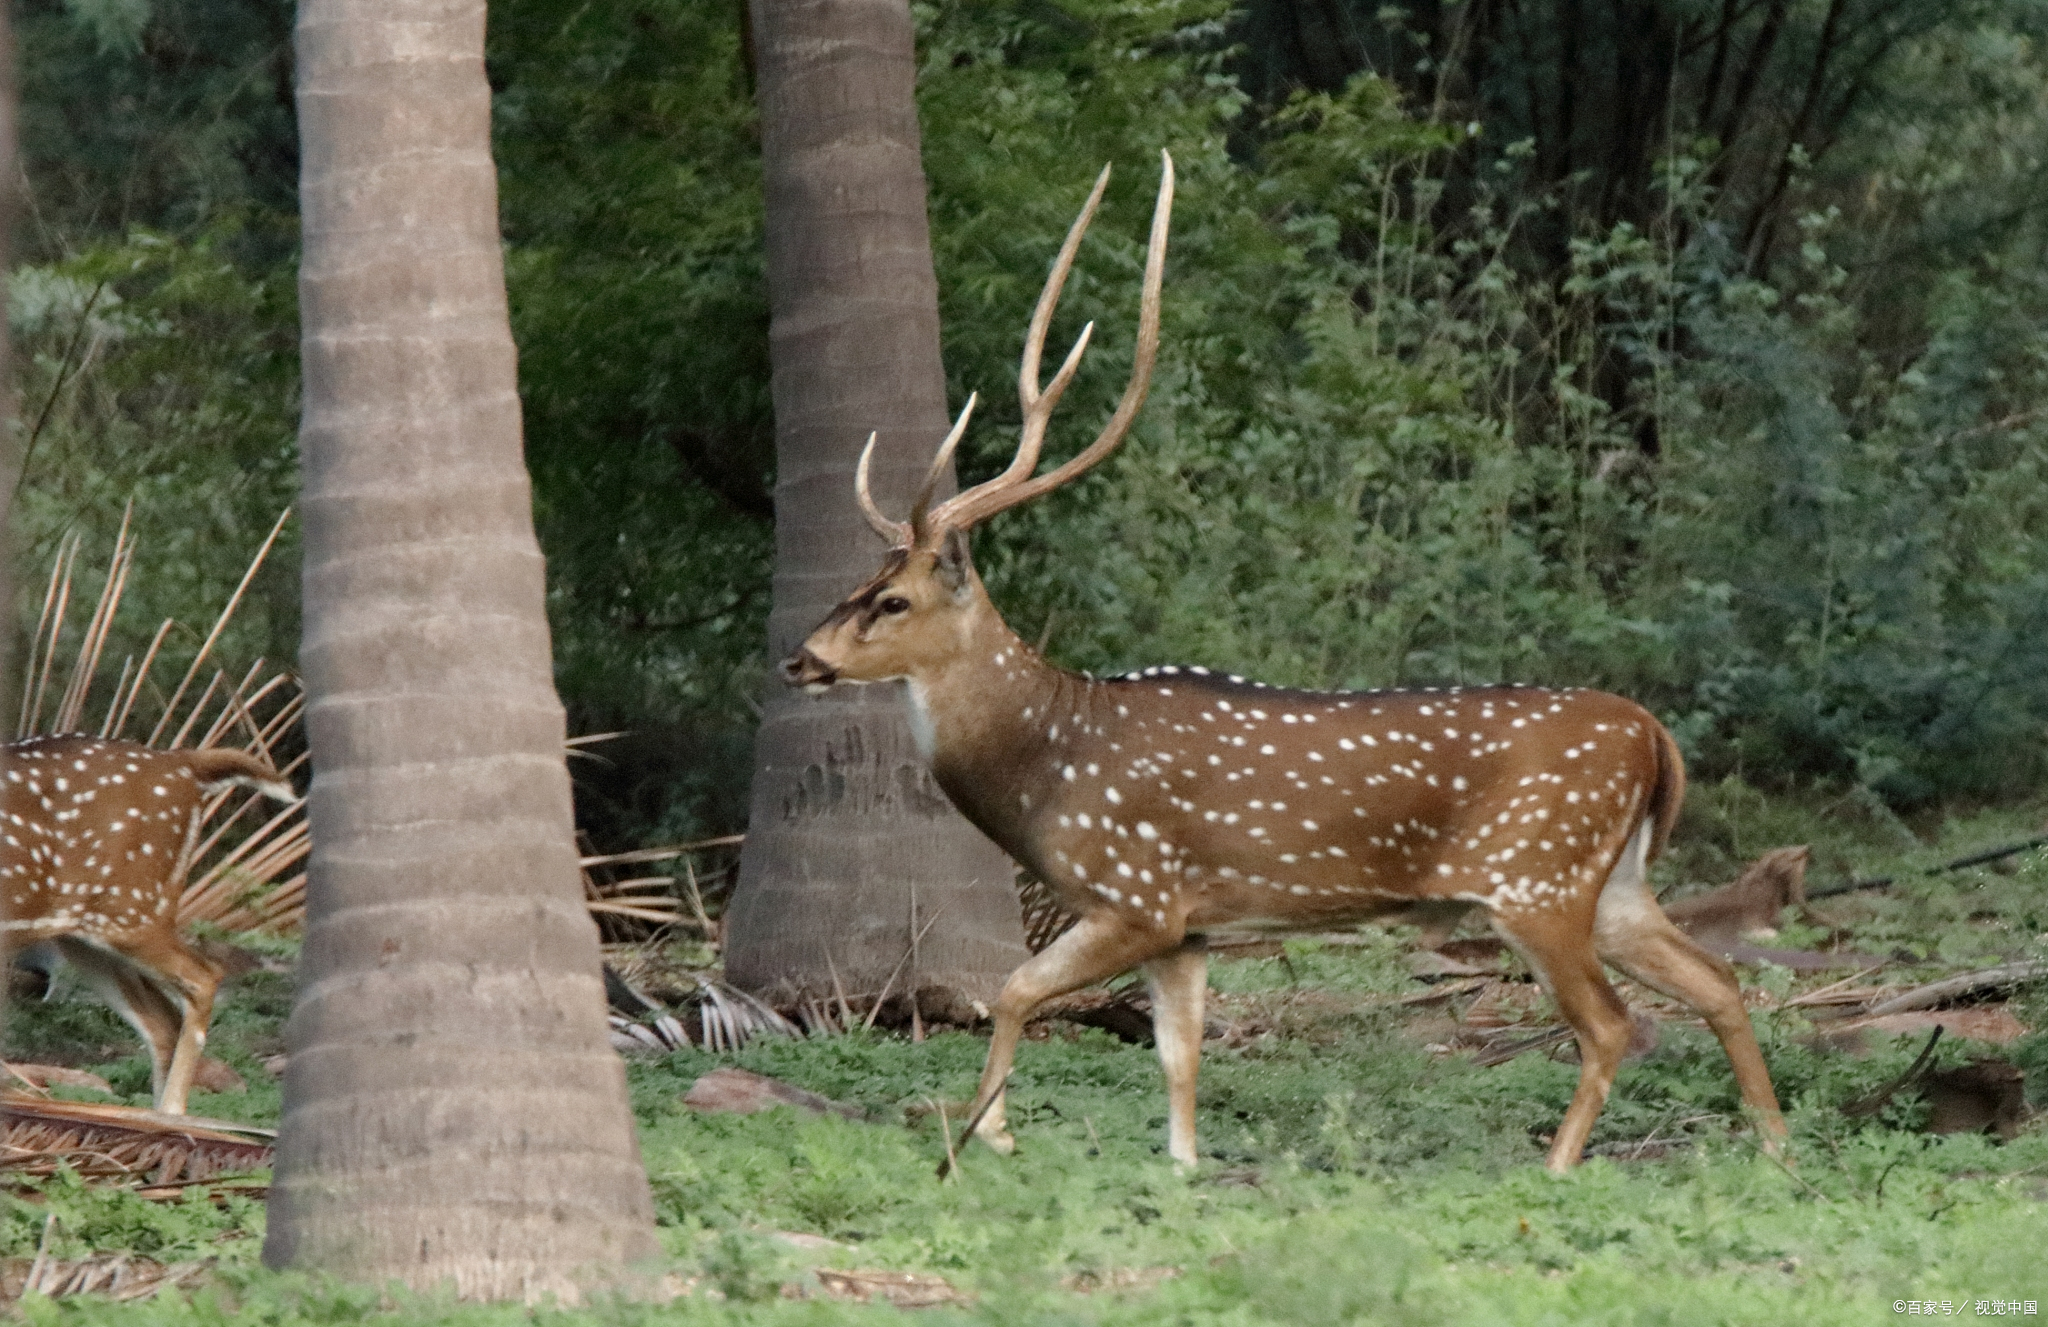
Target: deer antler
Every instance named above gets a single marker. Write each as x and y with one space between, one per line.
920 523
1014 485
901 533
892 532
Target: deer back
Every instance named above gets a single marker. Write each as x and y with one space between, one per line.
1202 800
97 831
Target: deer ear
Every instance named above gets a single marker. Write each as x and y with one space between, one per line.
953 565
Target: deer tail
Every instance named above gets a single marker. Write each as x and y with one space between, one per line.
220 767
1669 793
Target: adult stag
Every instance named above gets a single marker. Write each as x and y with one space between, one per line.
1168 806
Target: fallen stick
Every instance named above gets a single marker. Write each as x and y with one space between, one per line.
1948 988
1961 863
1870 1103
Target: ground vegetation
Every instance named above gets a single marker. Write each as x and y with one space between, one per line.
1358 1164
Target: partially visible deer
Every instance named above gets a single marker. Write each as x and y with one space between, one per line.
1171 805
99 836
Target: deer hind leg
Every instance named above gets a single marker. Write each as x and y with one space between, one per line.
1633 934
1098 947
139 1001
165 991
193 982
1556 944
1180 985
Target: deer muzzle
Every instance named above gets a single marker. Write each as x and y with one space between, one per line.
807 670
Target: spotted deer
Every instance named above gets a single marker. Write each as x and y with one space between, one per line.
99 836
1171 805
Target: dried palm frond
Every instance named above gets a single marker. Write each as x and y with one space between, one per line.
100 1141
246 875
121 1277
730 1017
727 1017
652 899
1045 920
639 1023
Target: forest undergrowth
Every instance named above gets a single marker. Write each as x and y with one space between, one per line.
1351 1172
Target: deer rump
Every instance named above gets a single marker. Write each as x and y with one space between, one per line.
1169 805
98 840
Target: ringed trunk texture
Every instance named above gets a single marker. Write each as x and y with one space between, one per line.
453 1113
848 836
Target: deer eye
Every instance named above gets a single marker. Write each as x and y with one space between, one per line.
895 603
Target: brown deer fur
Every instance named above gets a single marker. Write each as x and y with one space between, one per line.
1168 806
98 840
1748 906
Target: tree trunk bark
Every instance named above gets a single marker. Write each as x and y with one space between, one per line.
453 1113
848 836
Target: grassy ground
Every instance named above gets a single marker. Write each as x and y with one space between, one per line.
1349 1174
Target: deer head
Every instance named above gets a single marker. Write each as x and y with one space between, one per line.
924 605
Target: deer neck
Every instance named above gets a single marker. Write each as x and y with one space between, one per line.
981 717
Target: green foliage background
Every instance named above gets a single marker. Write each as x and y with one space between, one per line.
1751 429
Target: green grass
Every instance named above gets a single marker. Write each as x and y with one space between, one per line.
1349 1177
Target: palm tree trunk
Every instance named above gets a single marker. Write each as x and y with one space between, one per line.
453 1113
849 838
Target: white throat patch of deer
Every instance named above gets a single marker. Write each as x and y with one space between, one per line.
98 840
1174 804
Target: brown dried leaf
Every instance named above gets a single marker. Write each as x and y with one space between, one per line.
124 1143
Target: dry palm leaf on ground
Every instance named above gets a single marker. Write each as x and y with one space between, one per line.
120 1277
704 1011
159 1154
904 1290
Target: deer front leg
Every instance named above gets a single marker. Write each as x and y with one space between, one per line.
1180 984
1098 947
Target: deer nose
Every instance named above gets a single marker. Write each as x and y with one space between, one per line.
804 669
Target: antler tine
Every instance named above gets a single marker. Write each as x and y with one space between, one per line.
1012 487
895 532
918 507
1049 298
1038 406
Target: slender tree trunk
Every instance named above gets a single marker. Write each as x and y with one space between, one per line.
848 835
453 1114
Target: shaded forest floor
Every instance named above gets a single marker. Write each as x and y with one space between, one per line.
1358 1166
